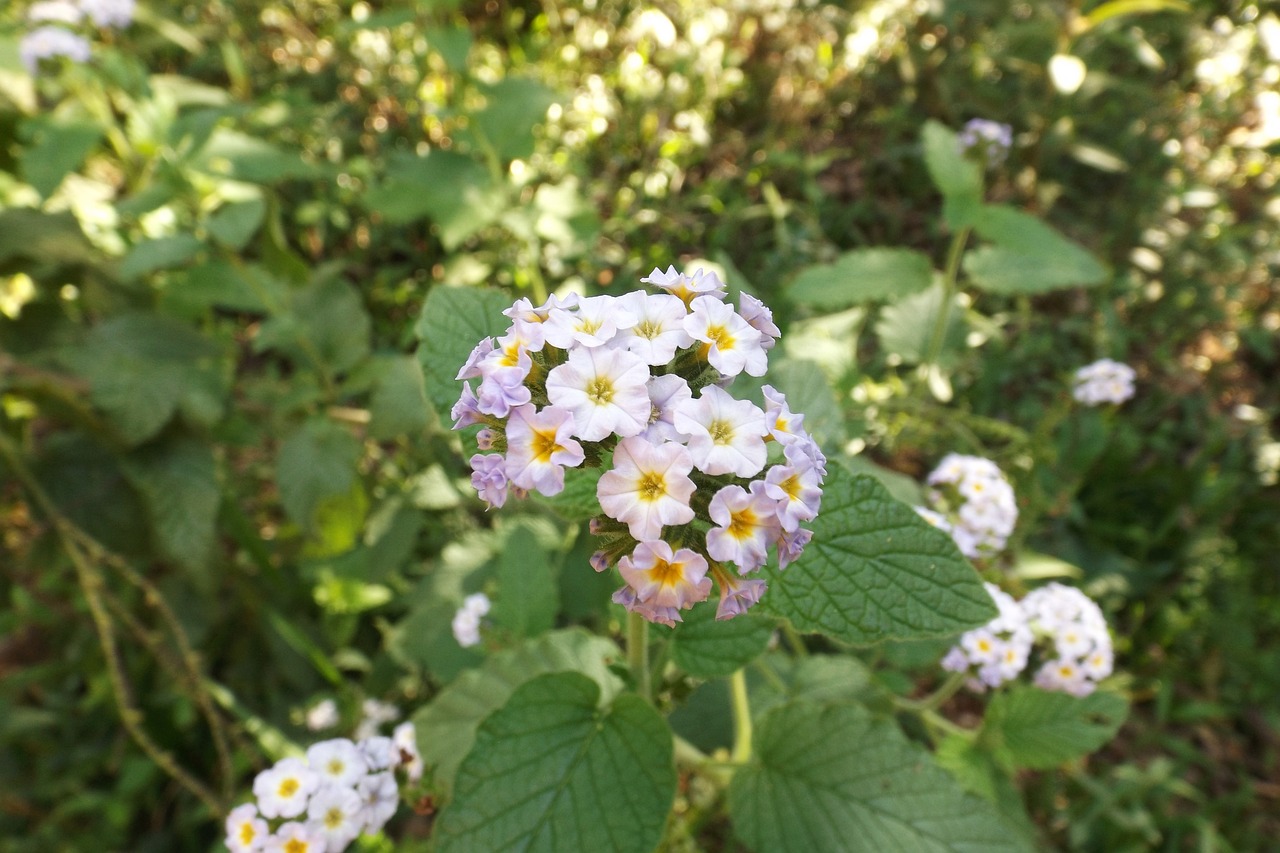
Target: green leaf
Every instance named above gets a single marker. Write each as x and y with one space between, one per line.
1041 729
453 321
448 724
978 773
527 600
234 224
605 777
219 284
142 368
398 405
232 154
453 44
453 190
56 147
1028 255
316 462
876 570
834 778
862 276
705 648
956 177
160 254
578 501
49 237
179 487
326 325
516 105
906 327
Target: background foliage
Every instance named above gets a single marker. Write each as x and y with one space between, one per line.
217 240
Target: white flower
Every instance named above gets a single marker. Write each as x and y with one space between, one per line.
666 394
539 447
1103 381
798 491
648 487
466 622
336 762
605 390
730 344
659 328
1073 625
49 42
337 815
783 424
294 837
726 436
406 738
379 753
282 790
246 831
663 578
381 797
109 13
758 315
1064 675
373 714
997 651
57 11
685 286
594 322
322 715
976 500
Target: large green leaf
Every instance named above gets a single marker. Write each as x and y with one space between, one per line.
876 570
316 463
956 177
551 771
448 724
906 327
454 191
862 276
1028 256
978 772
235 223
528 599
46 237
142 368
1041 729
453 321
56 147
516 105
705 648
179 487
835 778
326 325
232 154
398 405
160 254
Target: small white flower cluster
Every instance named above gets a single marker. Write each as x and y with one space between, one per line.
1074 625
466 622
997 651
1104 381
991 140
971 499
1068 627
341 789
636 384
54 38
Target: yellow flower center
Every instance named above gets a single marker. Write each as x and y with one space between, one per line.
335 767
721 432
652 486
648 329
294 845
544 444
721 337
791 486
600 390
667 574
334 818
288 787
984 645
247 833
743 522
588 326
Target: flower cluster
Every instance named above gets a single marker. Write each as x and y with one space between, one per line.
971 499
1077 631
342 788
1104 381
694 478
990 140
55 36
466 622
1062 623
998 651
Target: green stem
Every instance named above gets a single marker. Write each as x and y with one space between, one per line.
794 640
638 654
741 717
934 700
950 274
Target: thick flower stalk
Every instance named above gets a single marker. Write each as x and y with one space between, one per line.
1103 381
970 498
698 486
324 801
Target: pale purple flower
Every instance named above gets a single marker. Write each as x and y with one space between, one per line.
989 139
539 446
49 42
748 522
379 753
605 389
523 308
791 545
380 797
730 343
666 394
648 487
1103 381
489 477
760 318
798 491
738 595
626 596
471 368
109 13
726 436
595 322
686 286
465 412
664 578
503 388
783 424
